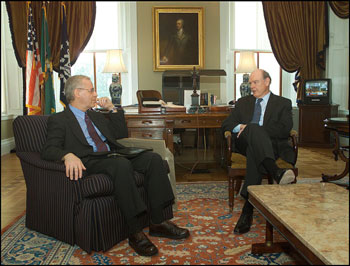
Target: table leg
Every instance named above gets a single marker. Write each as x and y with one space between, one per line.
269 246
338 151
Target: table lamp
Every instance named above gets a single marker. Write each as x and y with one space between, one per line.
115 64
246 65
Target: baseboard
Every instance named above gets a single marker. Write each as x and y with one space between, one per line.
7 145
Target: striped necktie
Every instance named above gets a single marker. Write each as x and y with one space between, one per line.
101 146
257 112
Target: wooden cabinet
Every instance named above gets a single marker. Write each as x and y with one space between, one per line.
173 87
311 124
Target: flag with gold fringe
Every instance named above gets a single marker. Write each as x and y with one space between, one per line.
65 66
46 59
34 76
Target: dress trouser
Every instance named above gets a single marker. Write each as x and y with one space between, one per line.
121 171
256 145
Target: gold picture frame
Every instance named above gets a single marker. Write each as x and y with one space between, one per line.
178 40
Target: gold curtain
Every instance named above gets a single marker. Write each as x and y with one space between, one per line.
298 33
340 8
80 24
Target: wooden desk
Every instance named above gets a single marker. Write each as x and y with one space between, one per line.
161 126
313 218
339 126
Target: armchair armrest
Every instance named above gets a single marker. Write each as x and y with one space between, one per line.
34 159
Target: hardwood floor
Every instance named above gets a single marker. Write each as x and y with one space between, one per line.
312 162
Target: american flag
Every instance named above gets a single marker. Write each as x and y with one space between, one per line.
65 66
34 76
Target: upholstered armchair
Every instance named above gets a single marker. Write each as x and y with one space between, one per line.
82 212
236 165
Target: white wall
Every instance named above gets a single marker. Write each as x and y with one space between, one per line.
337 67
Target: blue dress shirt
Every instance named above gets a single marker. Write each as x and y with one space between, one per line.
80 115
263 108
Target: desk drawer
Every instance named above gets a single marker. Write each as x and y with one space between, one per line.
145 123
201 122
185 123
146 134
211 122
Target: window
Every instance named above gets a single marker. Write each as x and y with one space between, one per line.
266 61
252 35
247 32
107 35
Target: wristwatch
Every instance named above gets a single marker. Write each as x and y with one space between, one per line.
114 110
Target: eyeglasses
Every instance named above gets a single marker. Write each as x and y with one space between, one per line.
92 90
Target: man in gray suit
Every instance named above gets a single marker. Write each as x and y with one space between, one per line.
261 124
76 134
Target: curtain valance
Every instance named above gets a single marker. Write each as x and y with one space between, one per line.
340 8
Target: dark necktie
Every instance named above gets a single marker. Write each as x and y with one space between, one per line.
257 112
101 146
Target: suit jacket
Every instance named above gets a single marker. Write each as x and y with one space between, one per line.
64 134
278 122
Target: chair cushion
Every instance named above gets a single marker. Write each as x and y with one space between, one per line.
240 161
283 164
96 185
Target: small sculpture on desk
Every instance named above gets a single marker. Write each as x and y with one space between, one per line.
245 87
115 89
195 96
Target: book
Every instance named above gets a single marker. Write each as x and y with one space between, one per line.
161 103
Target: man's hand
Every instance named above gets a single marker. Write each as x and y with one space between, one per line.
105 103
241 129
74 166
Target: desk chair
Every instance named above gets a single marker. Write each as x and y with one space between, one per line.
148 95
236 165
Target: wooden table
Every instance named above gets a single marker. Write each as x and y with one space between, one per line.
339 126
313 218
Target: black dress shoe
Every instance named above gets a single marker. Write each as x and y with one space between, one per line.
284 176
142 245
169 230
243 224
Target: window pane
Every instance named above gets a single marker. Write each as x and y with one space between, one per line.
245 25
84 66
105 34
103 79
268 62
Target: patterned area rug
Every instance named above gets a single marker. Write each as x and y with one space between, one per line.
202 208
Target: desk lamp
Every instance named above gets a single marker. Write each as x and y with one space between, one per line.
246 65
115 64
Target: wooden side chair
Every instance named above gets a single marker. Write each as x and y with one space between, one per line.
236 166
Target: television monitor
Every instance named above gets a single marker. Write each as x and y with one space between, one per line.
317 91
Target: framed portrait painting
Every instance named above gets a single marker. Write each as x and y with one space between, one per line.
178 42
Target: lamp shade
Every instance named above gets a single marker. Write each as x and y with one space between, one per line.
246 63
114 62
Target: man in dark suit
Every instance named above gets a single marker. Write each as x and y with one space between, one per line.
76 134
261 124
